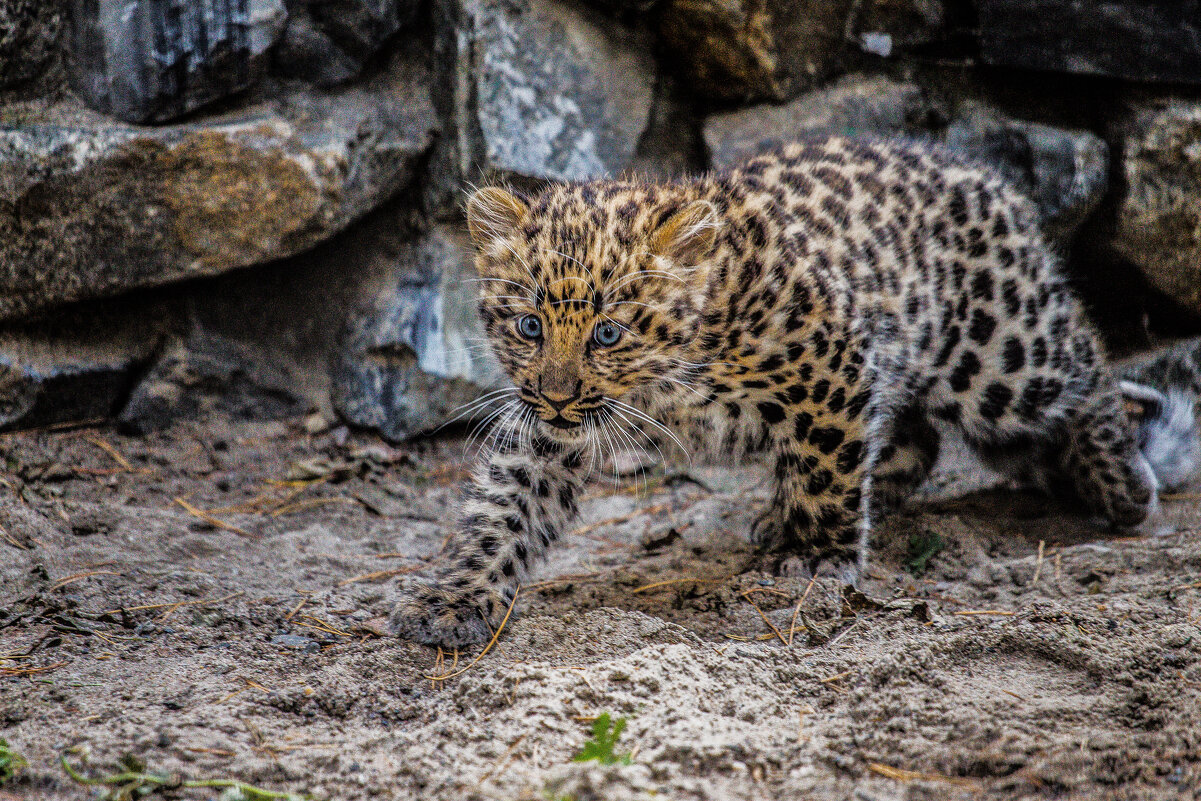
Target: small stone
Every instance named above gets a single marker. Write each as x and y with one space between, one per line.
315 424
295 641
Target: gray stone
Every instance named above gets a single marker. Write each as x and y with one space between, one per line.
1137 39
416 355
76 366
328 42
537 89
90 208
308 53
156 60
306 644
1159 213
744 50
29 38
207 374
361 26
1064 171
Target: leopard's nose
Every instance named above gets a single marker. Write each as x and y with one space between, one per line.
560 402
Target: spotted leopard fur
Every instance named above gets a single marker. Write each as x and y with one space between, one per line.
835 304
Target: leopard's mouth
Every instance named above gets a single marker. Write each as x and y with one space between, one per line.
561 422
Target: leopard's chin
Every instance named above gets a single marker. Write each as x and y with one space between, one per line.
561 430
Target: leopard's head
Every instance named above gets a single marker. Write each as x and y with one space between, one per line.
589 292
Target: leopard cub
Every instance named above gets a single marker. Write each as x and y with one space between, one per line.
840 304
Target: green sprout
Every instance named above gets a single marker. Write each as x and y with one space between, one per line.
922 548
135 782
10 761
605 733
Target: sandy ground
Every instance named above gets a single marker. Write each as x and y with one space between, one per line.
236 634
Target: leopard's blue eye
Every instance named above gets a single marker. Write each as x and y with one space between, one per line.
606 334
529 326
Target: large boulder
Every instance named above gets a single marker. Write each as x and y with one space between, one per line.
1135 39
415 357
1159 215
1064 171
537 89
89 207
145 61
743 50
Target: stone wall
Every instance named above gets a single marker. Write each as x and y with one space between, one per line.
255 205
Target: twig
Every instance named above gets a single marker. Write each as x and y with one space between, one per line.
797 611
305 504
9 672
173 604
380 574
214 521
902 775
113 452
504 758
657 584
770 625
11 540
612 521
79 576
1038 565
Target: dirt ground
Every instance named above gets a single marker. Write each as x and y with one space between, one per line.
210 601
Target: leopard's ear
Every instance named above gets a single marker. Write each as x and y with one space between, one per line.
688 235
493 214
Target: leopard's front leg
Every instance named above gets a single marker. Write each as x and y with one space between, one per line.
517 505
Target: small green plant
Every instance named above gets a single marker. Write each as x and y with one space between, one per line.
10 761
922 548
605 733
135 782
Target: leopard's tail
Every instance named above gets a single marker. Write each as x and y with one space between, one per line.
1168 431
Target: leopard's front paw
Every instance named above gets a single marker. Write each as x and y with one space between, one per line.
843 567
431 614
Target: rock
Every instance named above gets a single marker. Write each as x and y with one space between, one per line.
153 61
76 366
536 89
306 644
412 359
1065 172
1159 214
361 26
328 42
1122 38
29 39
208 373
90 208
743 50
308 53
